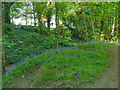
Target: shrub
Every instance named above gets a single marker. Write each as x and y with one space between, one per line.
21 45
65 42
7 28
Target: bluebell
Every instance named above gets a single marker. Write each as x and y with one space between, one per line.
74 55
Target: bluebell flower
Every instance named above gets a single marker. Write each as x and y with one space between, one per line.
47 50
78 75
65 55
27 57
74 55
11 73
57 48
18 62
34 55
63 85
57 56
83 65
12 65
67 47
42 51
53 49
56 60
30 56
24 59
92 80
77 48
63 48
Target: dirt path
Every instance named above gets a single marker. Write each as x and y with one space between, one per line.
108 78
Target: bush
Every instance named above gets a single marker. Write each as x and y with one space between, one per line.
7 28
21 45
65 42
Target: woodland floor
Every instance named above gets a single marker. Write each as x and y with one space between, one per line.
106 79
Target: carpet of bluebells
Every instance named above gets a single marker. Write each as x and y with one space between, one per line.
82 62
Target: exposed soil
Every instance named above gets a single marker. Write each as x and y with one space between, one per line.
109 77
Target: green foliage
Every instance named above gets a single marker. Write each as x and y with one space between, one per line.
65 42
21 45
7 28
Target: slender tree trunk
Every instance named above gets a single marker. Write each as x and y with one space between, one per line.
7 16
56 19
3 60
92 22
12 17
2 57
85 24
62 30
48 23
40 25
34 14
31 19
113 26
92 25
26 20
35 20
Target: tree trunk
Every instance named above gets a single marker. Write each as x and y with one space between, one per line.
92 25
31 19
6 14
3 60
2 65
40 25
85 24
62 30
48 24
113 26
56 20
26 20
34 14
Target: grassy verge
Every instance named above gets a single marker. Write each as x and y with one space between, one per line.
66 67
